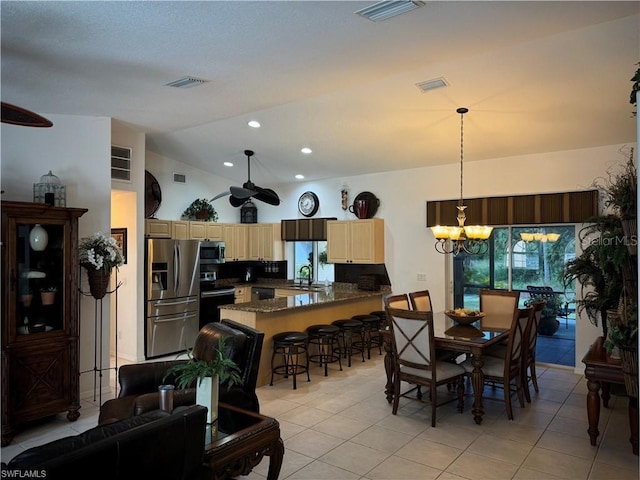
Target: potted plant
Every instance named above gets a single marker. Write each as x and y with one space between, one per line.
206 375
99 254
548 324
200 209
48 295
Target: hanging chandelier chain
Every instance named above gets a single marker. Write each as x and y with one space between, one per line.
461 154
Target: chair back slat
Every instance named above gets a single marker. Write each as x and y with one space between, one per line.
518 340
499 307
421 300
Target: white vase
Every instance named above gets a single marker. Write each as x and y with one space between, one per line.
38 238
207 395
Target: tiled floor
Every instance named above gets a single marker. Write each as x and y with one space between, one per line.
341 427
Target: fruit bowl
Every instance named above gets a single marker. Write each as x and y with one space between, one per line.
464 317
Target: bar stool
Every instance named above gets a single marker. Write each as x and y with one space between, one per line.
371 332
382 315
325 337
290 345
349 328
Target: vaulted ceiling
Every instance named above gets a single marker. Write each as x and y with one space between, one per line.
536 76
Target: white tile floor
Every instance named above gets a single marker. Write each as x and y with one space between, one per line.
341 427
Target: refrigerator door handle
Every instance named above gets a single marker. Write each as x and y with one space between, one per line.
164 303
173 319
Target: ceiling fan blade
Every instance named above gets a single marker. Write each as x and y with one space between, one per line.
267 195
242 192
235 201
220 195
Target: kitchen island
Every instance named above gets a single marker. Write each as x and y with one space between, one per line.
296 313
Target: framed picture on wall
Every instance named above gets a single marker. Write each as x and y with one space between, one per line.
120 234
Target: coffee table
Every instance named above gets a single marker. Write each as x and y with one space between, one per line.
240 440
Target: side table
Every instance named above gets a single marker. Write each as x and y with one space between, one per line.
240 440
600 371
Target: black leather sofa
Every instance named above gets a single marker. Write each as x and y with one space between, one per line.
155 445
139 382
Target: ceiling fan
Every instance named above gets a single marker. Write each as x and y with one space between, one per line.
239 195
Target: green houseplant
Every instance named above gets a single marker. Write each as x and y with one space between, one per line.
552 305
206 375
200 209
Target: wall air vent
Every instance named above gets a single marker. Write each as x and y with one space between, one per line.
186 82
386 9
432 84
121 163
179 178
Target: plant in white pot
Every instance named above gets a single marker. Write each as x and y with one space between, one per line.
206 375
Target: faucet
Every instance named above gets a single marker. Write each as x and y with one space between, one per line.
309 269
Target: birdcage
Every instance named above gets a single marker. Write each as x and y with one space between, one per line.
50 191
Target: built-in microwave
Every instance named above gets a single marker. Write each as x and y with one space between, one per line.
211 252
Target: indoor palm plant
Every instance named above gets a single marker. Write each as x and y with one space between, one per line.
207 376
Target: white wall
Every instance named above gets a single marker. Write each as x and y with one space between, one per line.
77 150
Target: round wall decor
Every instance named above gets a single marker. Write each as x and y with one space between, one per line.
308 204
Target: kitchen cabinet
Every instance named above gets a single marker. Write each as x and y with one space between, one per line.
242 294
265 242
355 241
209 231
40 365
180 229
158 228
235 236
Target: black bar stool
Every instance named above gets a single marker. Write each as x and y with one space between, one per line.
290 345
325 337
382 315
371 332
348 329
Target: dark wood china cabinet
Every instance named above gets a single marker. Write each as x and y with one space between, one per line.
40 330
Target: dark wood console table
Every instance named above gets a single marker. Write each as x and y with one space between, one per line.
240 440
600 371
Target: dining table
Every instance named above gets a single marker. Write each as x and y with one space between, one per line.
472 339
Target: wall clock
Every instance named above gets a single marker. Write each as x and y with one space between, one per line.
308 204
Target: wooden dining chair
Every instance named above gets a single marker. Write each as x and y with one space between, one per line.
421 300
415 360
400 301
507 372
529 355
499 307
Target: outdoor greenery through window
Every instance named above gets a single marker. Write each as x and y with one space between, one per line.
314 253
517 257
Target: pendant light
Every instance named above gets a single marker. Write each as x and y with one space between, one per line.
470 239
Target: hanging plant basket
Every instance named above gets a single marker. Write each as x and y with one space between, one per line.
98 282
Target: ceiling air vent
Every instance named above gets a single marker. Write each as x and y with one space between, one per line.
383 10
186 82
432 84
120 163
179 178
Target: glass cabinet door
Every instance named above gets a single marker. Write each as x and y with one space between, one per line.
40 274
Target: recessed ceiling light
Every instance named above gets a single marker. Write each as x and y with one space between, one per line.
254 124
299 176
306 150
228 164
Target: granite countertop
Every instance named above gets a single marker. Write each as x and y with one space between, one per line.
302 300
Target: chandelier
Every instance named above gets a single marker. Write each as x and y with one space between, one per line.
539 237
470 239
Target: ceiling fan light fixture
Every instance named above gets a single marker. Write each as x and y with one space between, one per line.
239 195
386 9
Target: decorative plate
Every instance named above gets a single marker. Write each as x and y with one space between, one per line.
152 195
464 318
308 204
373 203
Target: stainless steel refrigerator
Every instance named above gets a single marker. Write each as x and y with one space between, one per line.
172 290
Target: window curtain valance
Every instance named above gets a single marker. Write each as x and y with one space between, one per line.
567 207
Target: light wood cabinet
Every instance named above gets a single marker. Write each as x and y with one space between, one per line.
180 229
265 242
40 364
208 231
242 294
355 241
235 236
158 228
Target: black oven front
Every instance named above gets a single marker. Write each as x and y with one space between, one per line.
211 297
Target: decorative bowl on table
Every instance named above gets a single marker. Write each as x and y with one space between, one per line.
464 316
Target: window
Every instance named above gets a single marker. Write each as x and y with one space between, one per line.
517 257
315 254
